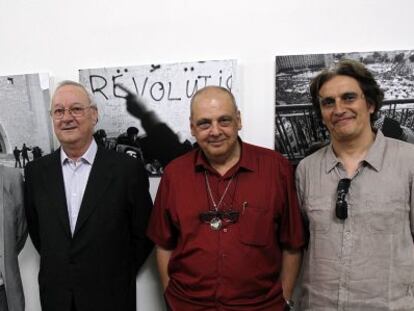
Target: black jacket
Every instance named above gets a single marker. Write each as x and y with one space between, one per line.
96 267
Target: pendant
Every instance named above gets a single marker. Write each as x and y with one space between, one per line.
215 223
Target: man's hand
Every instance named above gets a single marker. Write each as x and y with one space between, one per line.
134 104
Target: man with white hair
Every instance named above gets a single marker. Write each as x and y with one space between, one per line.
87 211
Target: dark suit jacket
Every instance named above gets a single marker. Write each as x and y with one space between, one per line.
96 267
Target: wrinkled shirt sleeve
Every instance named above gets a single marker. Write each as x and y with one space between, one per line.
161 229
291 233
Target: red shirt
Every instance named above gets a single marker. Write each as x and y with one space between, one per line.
237 267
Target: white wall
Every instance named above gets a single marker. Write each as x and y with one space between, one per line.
60 37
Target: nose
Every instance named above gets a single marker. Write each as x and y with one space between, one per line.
215 129
67 115
338 108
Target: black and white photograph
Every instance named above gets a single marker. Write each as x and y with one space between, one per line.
164 91
25 127
298 131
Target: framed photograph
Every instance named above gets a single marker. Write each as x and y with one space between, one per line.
165 89
298 132
25 124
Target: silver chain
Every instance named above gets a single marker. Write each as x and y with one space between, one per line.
216 206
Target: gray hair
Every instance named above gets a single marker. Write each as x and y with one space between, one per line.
77 84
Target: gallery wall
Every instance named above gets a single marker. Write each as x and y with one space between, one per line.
60 37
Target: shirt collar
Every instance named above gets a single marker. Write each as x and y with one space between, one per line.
88 156
246 161
374 157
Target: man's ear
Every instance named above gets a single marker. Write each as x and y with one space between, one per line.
96 115
191 127
371 108
239 121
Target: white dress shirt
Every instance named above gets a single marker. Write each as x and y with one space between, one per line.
75 177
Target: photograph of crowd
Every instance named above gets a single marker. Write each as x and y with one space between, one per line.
298 131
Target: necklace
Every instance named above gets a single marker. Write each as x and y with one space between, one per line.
215 222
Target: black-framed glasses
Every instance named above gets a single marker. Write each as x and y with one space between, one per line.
341 208
229 216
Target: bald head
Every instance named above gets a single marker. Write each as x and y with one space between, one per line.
210 92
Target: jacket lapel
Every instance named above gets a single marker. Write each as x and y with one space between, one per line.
53 181
98 181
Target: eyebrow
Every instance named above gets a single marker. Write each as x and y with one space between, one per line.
71 105
204 120
220 118
340 95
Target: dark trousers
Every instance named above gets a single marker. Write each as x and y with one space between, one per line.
73 308
3 299
17 161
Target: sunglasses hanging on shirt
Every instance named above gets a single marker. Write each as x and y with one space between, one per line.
216 217
341 208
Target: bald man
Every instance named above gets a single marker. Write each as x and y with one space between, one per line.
226 222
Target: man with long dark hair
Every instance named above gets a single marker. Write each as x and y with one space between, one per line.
357 196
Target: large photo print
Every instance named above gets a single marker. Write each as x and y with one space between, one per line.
298 132
165 89
25 126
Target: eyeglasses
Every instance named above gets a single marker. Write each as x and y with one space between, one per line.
76 112
226 216
341 208
205 124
